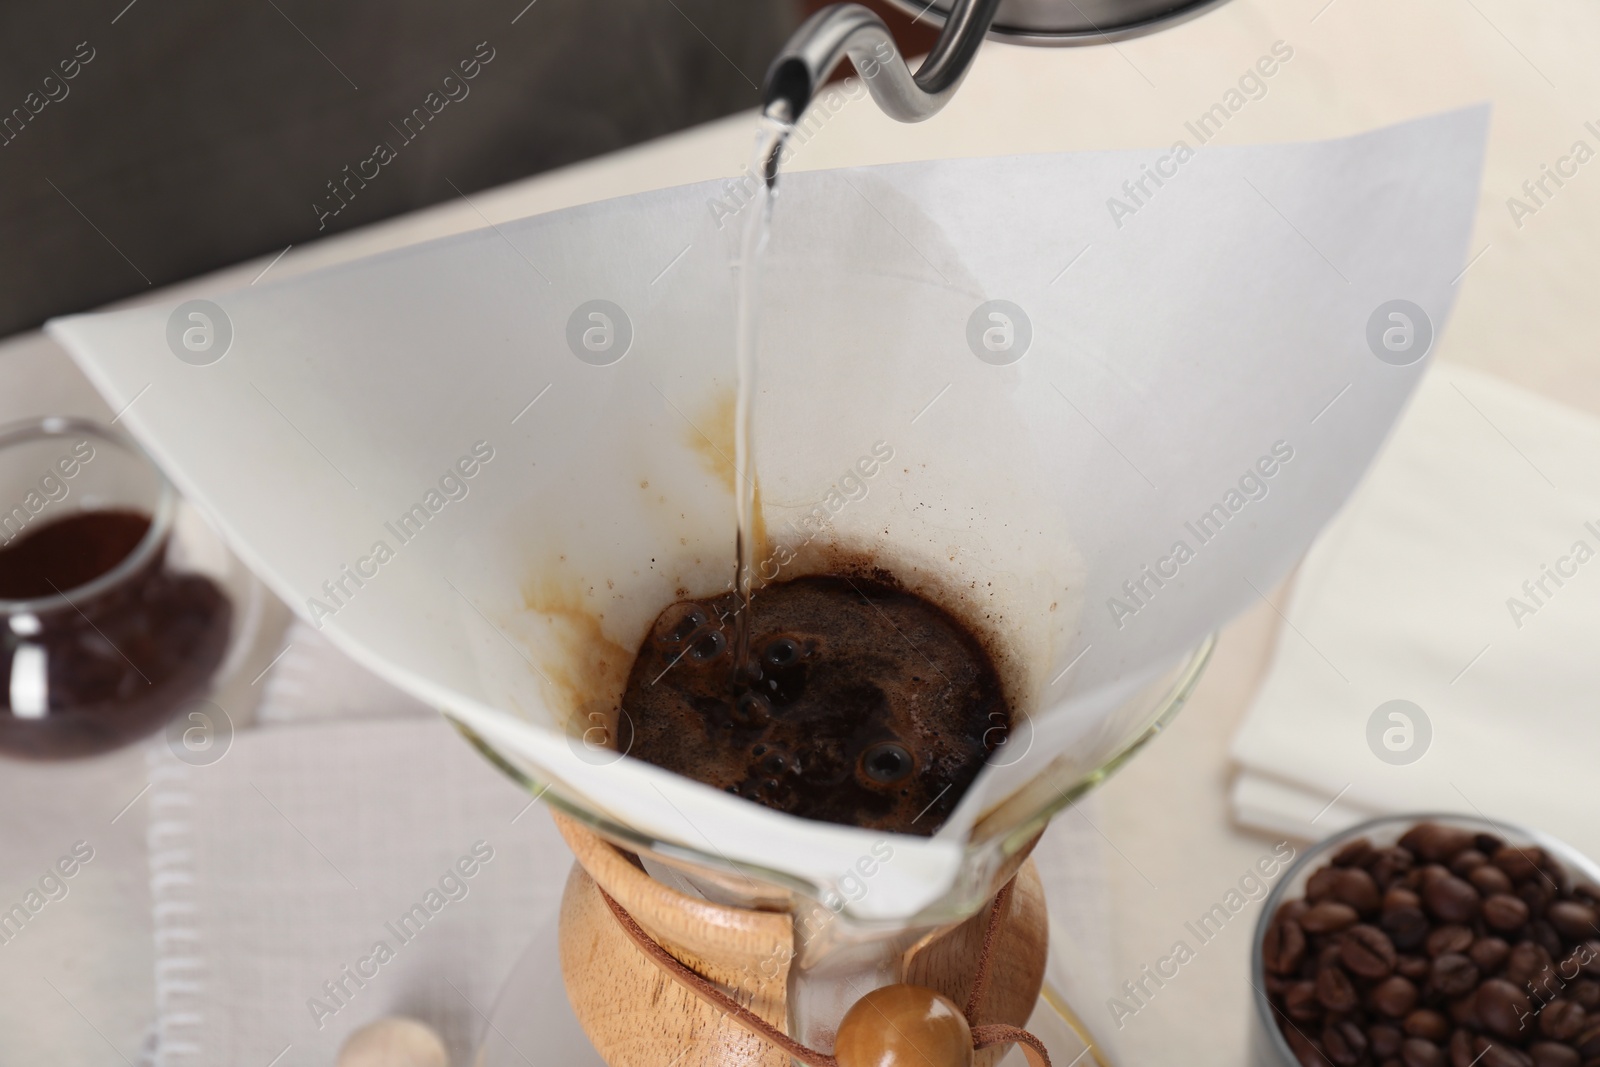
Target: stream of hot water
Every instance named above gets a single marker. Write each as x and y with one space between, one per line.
772 133
831 965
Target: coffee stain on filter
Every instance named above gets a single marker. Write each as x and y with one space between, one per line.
585 670
583 630
579 614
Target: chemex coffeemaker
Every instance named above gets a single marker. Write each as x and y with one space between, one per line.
939 401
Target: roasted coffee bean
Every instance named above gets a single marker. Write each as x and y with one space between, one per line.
1292 909
1544 991
1572 919
1527 962
1562 1020
1354 854
1550 1054
1493 1054
1356 888
1489 953
1385 1040
1571 964
1505 913
1585 994
1544 935
1301 1003
1428 1024
1451 899
1407 927
1520 864
1335 990
1328 954
1387 864
1453 975
1415 968
1466 861
1536 893
1284 947
1319 886
1590 963
1344 1042
1489 880
1398 896
1464 1010
1329 917
1429 873
1435 843
1503 1008
1304 1051
1394 997
1588 1042
1448 939
1417 1052
1366 952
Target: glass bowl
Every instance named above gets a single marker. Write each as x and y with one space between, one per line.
105 634
1268 1048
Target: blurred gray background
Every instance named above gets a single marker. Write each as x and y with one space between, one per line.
199 134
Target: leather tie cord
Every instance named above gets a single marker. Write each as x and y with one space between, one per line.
982 1036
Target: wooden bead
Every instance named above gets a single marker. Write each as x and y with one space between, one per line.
394 1042
903 1026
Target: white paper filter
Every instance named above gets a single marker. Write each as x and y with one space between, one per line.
1173 355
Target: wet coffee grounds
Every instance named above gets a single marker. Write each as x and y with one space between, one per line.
861 703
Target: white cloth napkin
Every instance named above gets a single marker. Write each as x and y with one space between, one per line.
282 867
312 680
1463 577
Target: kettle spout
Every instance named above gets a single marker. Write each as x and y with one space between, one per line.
851 31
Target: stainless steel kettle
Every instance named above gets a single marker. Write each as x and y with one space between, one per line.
850 30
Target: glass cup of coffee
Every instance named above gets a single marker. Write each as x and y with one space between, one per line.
104 637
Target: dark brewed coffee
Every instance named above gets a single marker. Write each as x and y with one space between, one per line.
67 553
100 669
861 703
